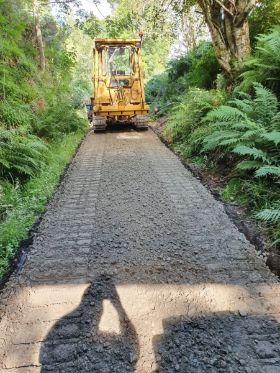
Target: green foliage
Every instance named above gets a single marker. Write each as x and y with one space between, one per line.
178 67
271 214
21 154
257 195
21 205
205 68
58 120
92 26
251 152
199 67
250 129
163 93
14 113
185 118
80 87
236 190
268 170
265 15
32 105
37 115
264 65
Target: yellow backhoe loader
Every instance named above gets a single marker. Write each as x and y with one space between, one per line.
118 84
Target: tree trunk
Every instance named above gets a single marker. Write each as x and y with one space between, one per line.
228 24
193 28
38 32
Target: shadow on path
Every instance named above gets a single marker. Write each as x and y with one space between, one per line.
219 343
77 342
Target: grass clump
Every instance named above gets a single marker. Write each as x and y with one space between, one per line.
21 205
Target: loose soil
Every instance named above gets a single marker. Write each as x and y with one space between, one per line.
135 267
255 233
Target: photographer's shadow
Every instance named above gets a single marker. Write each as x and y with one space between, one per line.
86 341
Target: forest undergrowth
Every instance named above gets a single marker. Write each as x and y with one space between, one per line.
41 121
233 134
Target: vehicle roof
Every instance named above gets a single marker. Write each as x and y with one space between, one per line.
116 41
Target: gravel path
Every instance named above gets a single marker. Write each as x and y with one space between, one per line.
136 268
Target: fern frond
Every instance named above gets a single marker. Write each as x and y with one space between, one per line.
264 66
275 123
213 141
249 165
243 105
273 136
265 104
271 215
21 154
231 141
251 134
247 125
4 162
225 114
252 152
268 170
24 170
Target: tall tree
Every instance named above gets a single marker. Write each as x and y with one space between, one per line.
64 6
228 24
227 21
38 33
191 29
229 27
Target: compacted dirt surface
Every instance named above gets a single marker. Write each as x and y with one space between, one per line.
137 268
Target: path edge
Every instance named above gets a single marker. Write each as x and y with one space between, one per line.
236 214
25 245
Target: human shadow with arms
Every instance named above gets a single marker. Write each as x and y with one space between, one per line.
219 343
79 343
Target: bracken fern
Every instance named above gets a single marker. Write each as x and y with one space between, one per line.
264 65
271 214
21 154
250 130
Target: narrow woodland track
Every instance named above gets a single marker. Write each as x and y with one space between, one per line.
137 268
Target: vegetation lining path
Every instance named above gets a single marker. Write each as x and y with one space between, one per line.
137 268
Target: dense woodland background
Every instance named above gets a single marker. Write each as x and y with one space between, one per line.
212 73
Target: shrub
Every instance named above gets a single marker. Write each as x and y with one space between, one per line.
264 65
14 113
271 214
199 67
186 117
204 68
266 14
162 93
249 128
21 205
59 119
178 67
21 154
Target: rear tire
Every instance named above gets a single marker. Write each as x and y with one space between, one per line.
99 124
141 122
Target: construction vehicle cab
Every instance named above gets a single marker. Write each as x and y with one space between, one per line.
118 80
